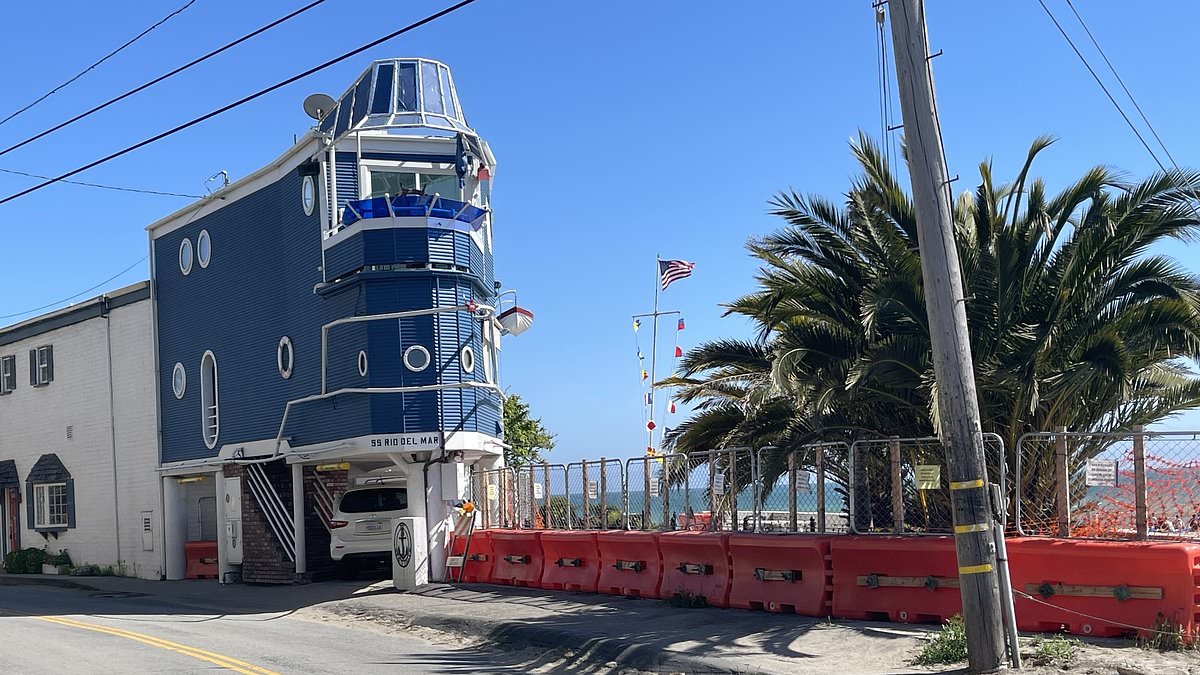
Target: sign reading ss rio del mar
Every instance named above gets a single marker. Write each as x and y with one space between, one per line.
430 440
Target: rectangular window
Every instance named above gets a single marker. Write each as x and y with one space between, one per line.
50 505
8 374
393 182
41 366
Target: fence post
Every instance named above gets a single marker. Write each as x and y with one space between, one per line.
666 493
603 494
587 507
646 495
792 492
546 493
863 512
712 491
1062 480
897 487
1139 481
821 489
733 489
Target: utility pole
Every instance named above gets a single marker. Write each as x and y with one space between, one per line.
958 406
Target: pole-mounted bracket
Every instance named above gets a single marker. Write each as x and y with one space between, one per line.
778 575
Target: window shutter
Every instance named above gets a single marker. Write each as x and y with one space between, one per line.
29 504
49 363
33 367
70 503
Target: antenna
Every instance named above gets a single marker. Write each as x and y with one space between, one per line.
317 106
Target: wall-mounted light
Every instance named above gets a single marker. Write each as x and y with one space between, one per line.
190 479
338 466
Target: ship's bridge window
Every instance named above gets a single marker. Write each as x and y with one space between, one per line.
384 182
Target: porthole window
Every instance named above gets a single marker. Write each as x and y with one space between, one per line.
284 357
362 364
203 248
210 410
185 256
416 358
467 358
308 195
179 380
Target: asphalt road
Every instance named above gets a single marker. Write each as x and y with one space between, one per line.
50 630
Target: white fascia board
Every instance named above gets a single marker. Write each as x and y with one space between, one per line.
308 145
472 443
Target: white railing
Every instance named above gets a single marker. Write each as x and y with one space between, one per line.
323 500
277 513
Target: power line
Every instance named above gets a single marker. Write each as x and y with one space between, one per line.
1122 83
242 101
104 187
84 292
106 57
1100 82
156 80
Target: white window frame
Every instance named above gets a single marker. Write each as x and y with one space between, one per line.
186 245
43 365
179 374
285 369
210 403
419 168
308 195
466 359
42 518
417 348
362 363
8 374
200 257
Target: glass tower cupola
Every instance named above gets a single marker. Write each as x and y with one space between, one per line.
397 94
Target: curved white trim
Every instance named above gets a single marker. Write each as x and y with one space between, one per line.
200 257
285 373
209 399
186 245
466 358
308 195
362 363
417 348
181 373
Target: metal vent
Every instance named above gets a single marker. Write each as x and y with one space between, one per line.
70 431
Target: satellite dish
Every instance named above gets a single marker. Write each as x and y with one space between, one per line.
317 106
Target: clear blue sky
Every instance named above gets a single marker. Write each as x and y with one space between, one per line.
622 129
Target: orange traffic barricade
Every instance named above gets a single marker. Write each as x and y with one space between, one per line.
201 559
630 563
696 565
904 579
571 561
781 573
518 557
477 565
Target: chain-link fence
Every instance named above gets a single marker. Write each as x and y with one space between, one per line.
496 497
902 485
656 491
803 490
1127 485
719 490
596 494
548 497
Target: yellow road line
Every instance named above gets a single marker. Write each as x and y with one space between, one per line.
221 660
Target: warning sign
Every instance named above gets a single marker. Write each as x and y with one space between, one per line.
719 483
655 488
493 492
593 490
1101 473
803 481
538 491
929 476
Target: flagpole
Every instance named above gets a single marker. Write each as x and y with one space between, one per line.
654 346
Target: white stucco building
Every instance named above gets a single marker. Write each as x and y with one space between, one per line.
78 438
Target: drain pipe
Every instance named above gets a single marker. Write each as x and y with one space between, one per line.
1006 594
106 312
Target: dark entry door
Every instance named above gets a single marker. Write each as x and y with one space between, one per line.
11 520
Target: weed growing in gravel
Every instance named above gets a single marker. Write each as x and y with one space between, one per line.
948 646
1056 650
1169 636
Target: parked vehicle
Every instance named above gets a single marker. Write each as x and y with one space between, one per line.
360 530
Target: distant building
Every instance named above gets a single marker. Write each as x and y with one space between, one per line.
78 445
328 319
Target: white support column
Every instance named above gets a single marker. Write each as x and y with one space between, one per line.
298 518
222 539
174 529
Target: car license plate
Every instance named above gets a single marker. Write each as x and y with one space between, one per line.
372 527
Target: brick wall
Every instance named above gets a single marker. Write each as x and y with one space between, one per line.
320 564
263 559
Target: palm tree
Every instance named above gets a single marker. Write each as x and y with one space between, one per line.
1074 319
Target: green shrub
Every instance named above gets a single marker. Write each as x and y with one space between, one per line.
1169 636
61 559
948 646
1055 651
687 600
26 561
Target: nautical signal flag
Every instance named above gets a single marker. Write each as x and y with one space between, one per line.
671 406
649 400
674 270
637 323
640 357
680 326
645 375
651 425
650 452
678 351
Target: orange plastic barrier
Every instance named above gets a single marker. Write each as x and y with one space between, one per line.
518 560
201 559
905 579
571 561
781 573
1118 584
695 564
480 558
630 563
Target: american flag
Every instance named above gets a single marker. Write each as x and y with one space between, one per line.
674 270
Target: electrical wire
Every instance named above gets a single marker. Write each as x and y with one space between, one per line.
1104 88
106 57
102 186
246 99
1123 87
84 292
160 78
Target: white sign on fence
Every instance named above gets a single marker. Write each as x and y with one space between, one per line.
929 476
538 491
804 481
1101 473
493 492
719 483
593 489
655 487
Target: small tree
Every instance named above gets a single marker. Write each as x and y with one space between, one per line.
524 433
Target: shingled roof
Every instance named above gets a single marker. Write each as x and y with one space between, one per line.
8 474
48 470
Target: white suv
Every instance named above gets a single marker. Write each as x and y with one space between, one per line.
361 527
